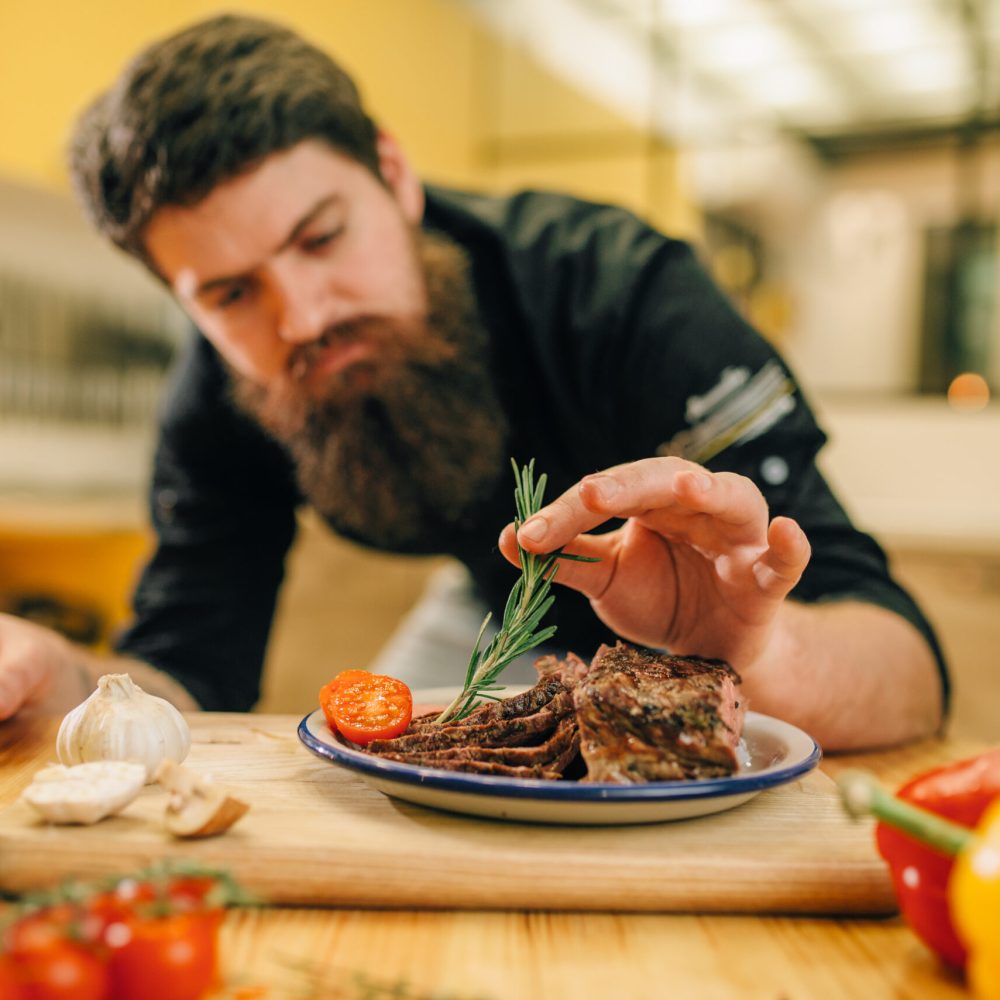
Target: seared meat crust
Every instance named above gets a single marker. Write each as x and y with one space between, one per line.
648 716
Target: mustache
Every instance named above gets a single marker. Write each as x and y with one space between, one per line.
393 339
305 356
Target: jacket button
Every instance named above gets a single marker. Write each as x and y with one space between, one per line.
774 470
166 503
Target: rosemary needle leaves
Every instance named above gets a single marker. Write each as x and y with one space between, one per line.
527 605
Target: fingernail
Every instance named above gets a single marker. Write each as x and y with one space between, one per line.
534 530
605 486
704 483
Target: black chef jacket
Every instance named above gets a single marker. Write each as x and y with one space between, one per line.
609 343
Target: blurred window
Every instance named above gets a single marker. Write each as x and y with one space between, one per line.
960 320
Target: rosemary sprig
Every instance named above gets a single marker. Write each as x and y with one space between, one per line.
527 604
328 983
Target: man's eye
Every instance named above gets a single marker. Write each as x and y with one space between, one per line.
232 295
320 240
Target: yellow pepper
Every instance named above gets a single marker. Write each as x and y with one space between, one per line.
974 898
974 883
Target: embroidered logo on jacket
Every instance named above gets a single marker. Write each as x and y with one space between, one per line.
738 408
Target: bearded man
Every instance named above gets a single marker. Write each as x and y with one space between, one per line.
379 349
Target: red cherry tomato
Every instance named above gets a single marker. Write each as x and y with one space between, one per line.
10 988
370 707
165 958
40 929
142 940
327 692
60 970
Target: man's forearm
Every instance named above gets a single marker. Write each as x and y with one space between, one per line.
853 675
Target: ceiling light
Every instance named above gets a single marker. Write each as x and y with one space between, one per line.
741 47
703 13
791 85
926 69
890 29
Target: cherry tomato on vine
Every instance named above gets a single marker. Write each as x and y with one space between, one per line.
148 938
59 970
189 892
165 958
37 930
10 989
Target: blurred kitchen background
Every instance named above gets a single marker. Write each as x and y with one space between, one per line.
836 162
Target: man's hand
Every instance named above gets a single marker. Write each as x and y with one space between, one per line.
45 674
697 567
38 669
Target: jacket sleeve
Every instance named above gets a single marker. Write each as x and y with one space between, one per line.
223 508
735 405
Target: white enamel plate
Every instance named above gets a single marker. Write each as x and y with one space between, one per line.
778 753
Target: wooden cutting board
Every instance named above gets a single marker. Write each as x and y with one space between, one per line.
318 834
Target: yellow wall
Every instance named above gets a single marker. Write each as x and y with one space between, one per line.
76 580
430 73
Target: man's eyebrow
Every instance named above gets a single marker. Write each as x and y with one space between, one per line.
292 236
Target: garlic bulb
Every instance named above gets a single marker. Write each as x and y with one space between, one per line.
119 721
84 793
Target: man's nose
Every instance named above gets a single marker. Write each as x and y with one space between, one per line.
306 306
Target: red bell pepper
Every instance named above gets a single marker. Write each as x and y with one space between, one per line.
960 792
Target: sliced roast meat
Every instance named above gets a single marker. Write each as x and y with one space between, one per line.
536 771
564 737
526 703
497 733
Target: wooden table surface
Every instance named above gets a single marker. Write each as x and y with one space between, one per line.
274 953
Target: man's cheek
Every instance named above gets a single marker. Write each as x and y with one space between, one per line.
258 359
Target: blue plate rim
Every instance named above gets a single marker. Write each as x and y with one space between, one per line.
522 788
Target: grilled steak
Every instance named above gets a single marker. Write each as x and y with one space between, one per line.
569 671
645 716
632 716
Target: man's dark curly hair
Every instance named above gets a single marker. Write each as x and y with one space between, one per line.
201 107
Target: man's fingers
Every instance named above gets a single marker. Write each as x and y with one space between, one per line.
621 491
591 578
9 700
665 492
15 687
781 566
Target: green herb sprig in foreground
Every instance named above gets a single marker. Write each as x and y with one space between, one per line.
527 605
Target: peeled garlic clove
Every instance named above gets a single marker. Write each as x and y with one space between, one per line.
197 807
119 721
84 793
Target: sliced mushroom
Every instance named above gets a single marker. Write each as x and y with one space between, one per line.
197 807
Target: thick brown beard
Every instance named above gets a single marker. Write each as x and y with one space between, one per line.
395 448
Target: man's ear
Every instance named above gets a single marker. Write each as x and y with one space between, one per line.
400 177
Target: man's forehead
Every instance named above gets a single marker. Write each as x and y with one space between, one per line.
196 255
249 215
